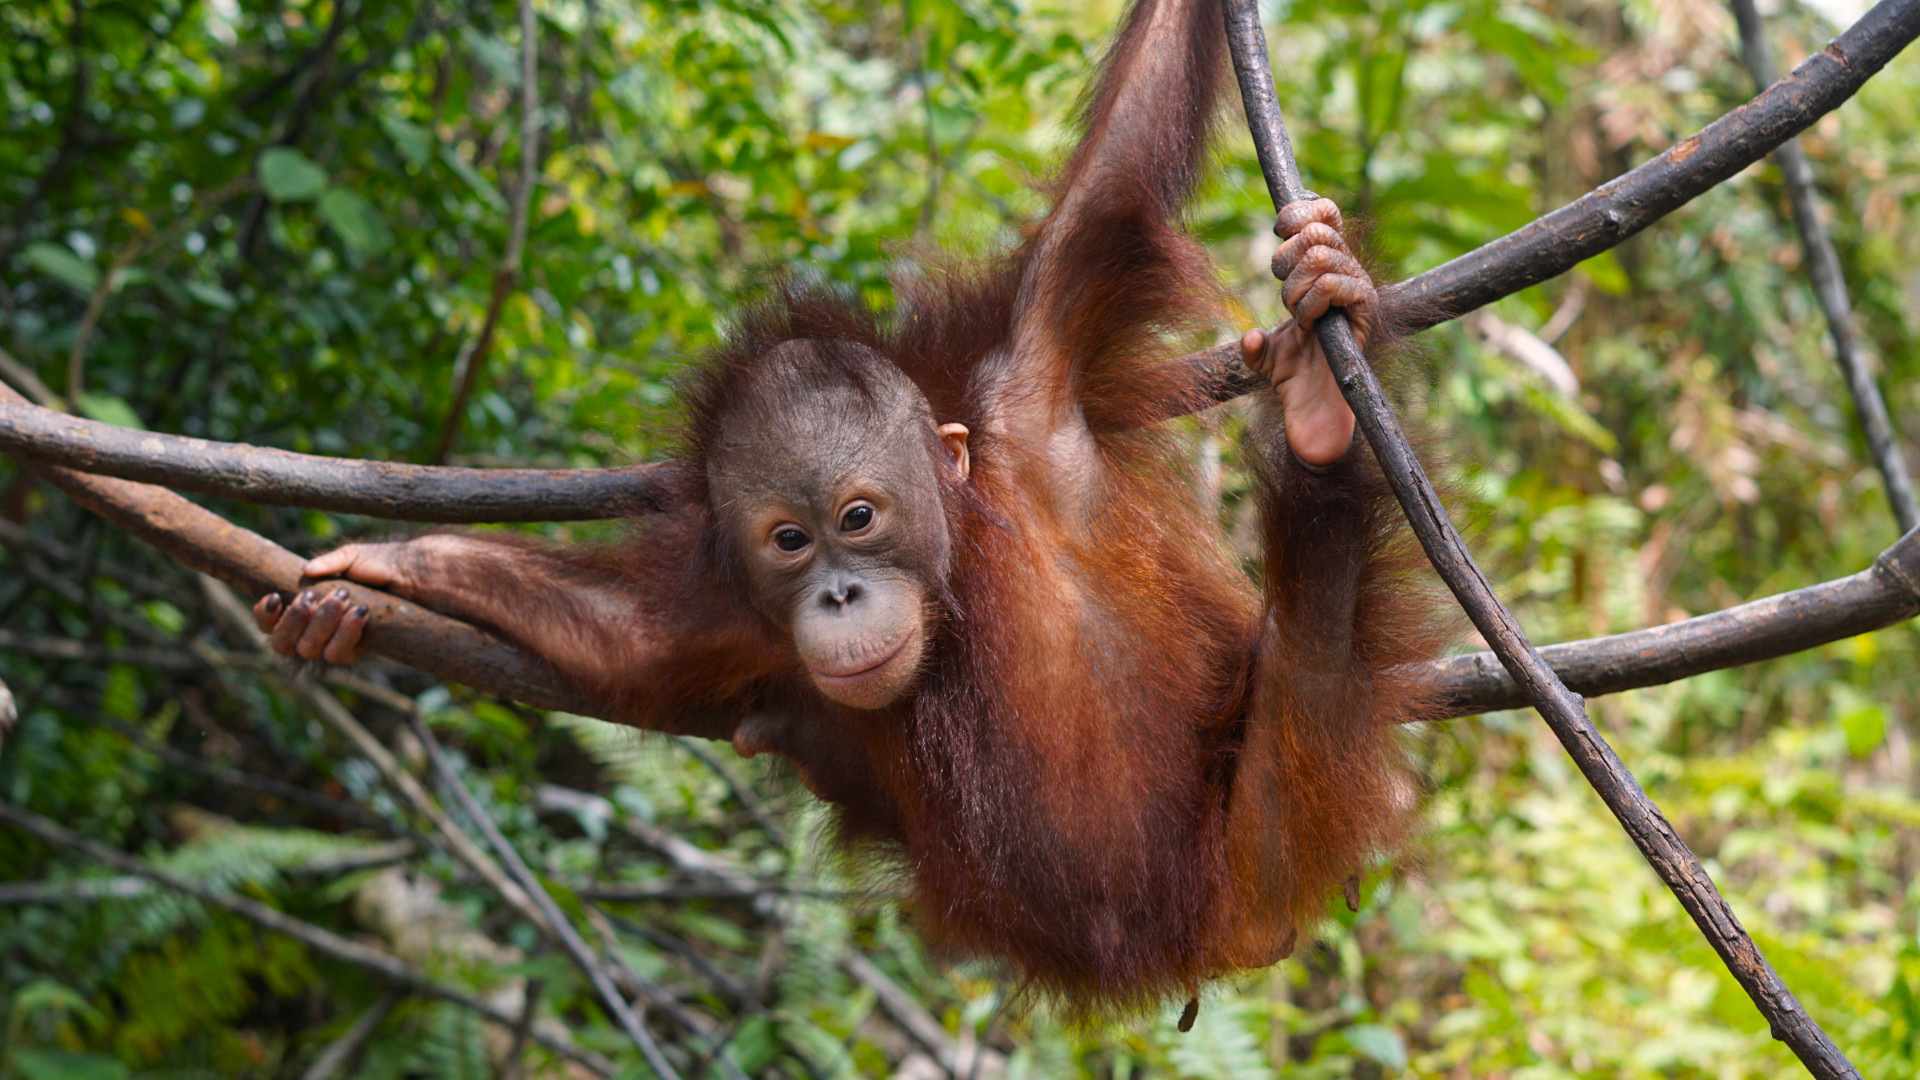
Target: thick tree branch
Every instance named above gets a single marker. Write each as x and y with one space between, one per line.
319 939
1823 267
282 478
1562 709
1886 593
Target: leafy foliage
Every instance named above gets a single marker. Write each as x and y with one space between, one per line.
281 222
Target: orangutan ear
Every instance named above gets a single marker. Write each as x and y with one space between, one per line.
954 438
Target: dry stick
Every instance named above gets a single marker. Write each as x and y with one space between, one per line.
283 478
342 1050
508 272
317 938
1563 710
569 937
1823 266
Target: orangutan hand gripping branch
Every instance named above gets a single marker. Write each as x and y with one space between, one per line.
943 562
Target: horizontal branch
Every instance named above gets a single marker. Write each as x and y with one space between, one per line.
317 938
204 541
283 478
1885 593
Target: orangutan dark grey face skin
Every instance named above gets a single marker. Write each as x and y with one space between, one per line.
831 497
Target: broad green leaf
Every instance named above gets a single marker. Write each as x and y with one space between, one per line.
1379 1042
211 294
64 266
356 221
500 59
1607 275
109 410
65 1065
414 142
289 176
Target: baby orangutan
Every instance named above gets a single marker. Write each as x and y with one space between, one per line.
949 564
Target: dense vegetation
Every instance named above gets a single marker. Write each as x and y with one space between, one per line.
283 221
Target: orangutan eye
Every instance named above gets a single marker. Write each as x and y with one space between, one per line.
790 540
856 518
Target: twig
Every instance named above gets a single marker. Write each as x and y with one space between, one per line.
66 892
1823 267
1562 709
507 274
556 920
375 488
342 1050
319 939
516 1063
25 381
742 791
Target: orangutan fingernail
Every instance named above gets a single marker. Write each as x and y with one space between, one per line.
340 594
273 603
307 597
361 612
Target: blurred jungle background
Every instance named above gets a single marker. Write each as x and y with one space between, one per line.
284 222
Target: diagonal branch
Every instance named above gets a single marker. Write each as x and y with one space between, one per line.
1557 242
319 939
556 920
1823 267
1562 709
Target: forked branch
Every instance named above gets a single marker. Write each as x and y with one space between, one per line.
1562 709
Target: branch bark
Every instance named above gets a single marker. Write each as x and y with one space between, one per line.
1562 709
1885 593
283 478
1823 267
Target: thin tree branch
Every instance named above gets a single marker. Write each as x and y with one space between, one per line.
319 939
341 1052
556 920
1562 709
1823 267
283 478
507 275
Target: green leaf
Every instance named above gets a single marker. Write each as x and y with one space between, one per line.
65 1065
110 410
473 178
212 295
1379 1042
1607 274
356 221
414 142
64 266
289 176
1863 719
497 56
